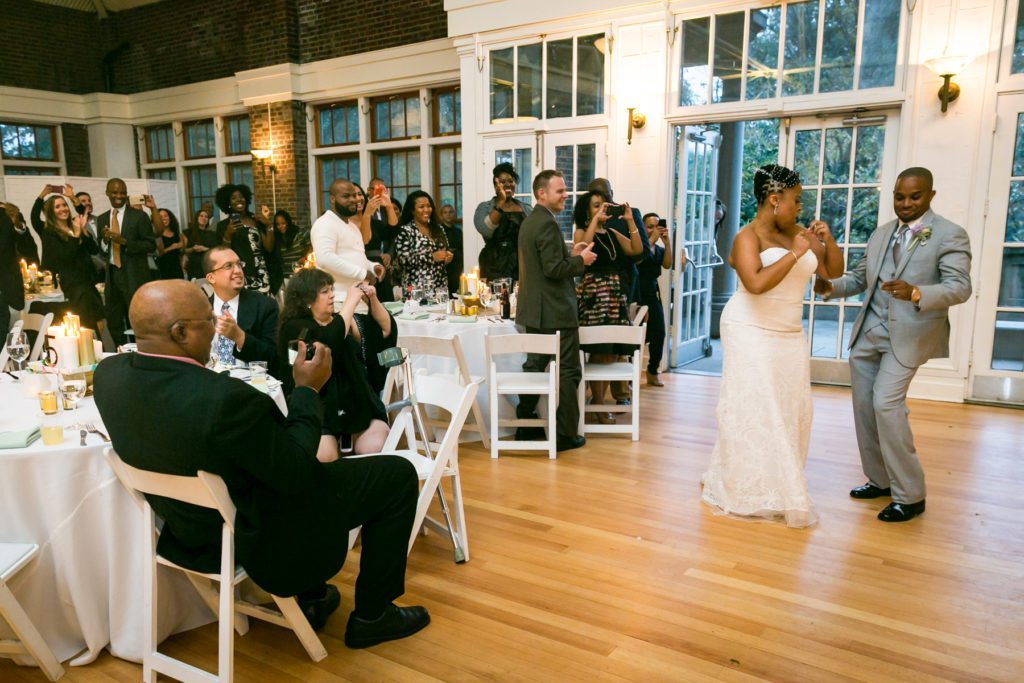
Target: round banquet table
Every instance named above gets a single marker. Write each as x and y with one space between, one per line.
471 337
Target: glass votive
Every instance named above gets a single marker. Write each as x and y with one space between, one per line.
51 429
48 402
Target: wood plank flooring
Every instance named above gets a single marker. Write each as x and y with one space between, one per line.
605 566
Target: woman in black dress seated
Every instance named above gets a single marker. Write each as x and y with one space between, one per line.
67 247
353 411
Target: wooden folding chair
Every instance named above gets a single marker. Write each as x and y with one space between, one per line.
209 491
628 371
505 383
13 557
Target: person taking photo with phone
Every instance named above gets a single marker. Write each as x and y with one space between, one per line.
250 237
656 257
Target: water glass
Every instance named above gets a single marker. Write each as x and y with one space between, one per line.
258 377
51 429
17 347
441 295
72 387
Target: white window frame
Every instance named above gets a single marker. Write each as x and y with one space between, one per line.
59 167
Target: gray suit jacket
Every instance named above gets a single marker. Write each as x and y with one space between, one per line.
940 267
547 293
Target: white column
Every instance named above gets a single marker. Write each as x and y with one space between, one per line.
476 180
112 150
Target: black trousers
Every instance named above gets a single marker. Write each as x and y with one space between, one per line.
569 375
117 296
655 329
378 493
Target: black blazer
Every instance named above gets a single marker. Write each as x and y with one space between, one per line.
547 292
14 246
289 530
138 231
257 316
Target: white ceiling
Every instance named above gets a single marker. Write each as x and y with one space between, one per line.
102 7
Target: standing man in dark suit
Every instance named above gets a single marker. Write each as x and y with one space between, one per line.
15 243
246 320
127 235
293 512
547 301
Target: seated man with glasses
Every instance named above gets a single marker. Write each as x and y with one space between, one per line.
246 320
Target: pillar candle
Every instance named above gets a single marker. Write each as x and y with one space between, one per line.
97 349
67 352
86 351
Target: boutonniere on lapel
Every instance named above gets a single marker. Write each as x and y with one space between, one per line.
920 235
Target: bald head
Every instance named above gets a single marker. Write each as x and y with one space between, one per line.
344 199
172 317
117 192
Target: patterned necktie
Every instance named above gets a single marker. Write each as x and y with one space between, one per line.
115 248
897 247
222 346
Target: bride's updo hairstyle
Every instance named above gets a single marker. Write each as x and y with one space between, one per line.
771 179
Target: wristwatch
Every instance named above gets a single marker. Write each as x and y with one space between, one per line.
915 296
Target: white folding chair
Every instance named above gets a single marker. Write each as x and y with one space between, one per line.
639 316
628 371
5 357
210 491
204 286
14 556
434 465
39 324
541 383
448 347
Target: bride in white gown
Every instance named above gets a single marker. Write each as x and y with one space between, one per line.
764 410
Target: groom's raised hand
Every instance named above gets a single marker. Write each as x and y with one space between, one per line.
823 287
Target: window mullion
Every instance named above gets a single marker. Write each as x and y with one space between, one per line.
780 67
746 55
515 83
858 54
709 90
818 56
575 72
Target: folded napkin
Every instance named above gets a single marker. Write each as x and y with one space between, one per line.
462 318
20 439
419 315
394 306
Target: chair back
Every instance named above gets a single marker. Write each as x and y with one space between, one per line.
437 347
38 323
438 392
204 286
497 345
613 334
639 316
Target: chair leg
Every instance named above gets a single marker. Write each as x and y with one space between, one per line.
304 632
636 404
26 632
581 397
209 596
460 514
478 418
494 421
552 426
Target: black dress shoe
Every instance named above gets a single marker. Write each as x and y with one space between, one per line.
869 490
530 434
570 443
396 622
317 611
901 512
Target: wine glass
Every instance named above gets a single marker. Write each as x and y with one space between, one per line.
441 296
486 295
17 347
72 388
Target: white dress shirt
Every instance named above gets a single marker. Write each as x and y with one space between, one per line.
218 305
339 250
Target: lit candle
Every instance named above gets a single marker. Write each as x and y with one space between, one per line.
97 349
66 346
24 270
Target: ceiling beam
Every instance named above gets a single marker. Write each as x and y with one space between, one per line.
100 8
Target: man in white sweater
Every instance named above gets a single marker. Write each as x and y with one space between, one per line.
338 242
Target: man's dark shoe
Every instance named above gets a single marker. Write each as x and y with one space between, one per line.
317 611
624 401
569 443
530 434
901 512
396 622
869 490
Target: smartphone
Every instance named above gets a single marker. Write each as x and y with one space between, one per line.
310 349
378 191
615 211
235 218
136 199
662 223
57 189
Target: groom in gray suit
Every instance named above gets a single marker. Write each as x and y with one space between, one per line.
913 270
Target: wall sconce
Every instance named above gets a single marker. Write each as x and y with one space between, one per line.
263 155
636 120
946 67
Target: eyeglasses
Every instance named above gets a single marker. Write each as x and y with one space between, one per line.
230 265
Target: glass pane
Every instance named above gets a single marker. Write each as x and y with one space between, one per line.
809 208
524 168
850 314
881 38
833 211
760 147
1011 284
693 77
44 143
352 124
763 53
529 80
446 166
27 140
1018 148
590 74
1008 342
727 76
445 113
336 134
413 163
501 84
412 117
398 129
805 318
807 155
585 163
560 78
864 214
565 218
382 113
1015 213
838 45
838 142
398 170
870 145
826 329
9 141
563 163
800 48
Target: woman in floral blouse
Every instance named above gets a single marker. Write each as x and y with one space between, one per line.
421 248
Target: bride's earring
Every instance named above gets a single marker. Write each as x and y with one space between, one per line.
775 209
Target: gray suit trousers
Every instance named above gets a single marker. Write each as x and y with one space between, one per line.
886 444
570 372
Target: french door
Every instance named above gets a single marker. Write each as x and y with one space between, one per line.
693 222
997 351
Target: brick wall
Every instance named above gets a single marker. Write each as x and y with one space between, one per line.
290 184
76 149
329 28
50 48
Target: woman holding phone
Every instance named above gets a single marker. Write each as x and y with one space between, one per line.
657 257
250 237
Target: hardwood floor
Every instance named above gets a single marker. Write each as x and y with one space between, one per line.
605 566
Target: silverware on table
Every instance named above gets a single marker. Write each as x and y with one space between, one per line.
92 430
81 437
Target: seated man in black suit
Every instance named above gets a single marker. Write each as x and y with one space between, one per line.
246 320
294 513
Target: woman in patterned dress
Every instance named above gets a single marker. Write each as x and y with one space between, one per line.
421 248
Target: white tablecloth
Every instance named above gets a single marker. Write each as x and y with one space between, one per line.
471 336
85 589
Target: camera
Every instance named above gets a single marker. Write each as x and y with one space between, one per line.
615 211
662 223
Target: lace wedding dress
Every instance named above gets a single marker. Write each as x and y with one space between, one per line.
764 410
